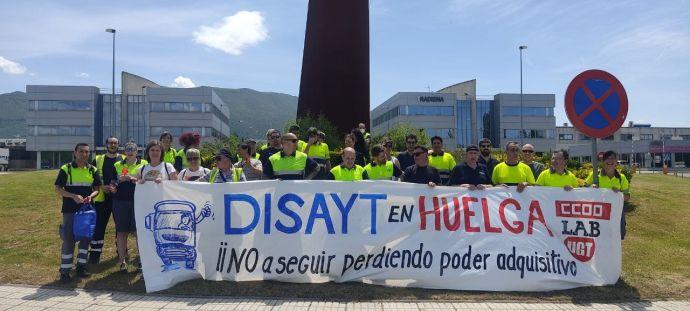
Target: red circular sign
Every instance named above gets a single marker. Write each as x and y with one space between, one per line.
596 116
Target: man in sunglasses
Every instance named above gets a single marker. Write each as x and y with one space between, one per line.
528 158
421 172
405 158
485 155
273 146
512 172
290 164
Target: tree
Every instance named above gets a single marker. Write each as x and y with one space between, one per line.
334 138
209 149
397 135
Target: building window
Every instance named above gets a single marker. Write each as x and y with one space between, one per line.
386 116
584 137
44 130
528 133
685 137
610 137
565 136
527 111
445 133
175 131
419 110
646 137
626 137
60 105
176 107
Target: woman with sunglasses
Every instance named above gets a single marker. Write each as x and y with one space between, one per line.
123 201
388 148
195 170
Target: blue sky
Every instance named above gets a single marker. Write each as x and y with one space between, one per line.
415 45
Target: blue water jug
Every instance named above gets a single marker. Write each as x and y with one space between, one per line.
84 222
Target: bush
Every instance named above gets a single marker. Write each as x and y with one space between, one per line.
210 149
397 135
334 138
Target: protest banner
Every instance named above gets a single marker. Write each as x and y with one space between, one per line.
386 233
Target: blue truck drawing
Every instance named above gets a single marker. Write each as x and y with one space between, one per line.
173 223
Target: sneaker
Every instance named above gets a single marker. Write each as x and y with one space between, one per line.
65 278
82 272
123 268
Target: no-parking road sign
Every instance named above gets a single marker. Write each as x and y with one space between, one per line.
596 103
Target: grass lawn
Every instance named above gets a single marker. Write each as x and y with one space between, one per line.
656 252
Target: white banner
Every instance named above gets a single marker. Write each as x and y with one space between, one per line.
386 233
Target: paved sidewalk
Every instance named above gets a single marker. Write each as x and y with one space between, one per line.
18 297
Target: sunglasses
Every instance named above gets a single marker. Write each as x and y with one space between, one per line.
527 151
130 149
275 137
192 158
485 146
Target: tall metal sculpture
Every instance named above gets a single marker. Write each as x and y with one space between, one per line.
335 64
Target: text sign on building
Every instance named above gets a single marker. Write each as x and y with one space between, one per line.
431 99
596 103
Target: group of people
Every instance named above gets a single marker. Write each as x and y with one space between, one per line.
109 181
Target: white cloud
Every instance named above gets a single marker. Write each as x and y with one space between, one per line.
183 82
8 66
234 33
82 75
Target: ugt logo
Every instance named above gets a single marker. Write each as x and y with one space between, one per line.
581 239
173 224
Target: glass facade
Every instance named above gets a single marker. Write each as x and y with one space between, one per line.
111 113
174 130
485 121
388 115
528 133
176 107
527 111
419 110
59 130
137 115
59 105
464 122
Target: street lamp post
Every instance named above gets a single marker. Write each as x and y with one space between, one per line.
112 99
522 129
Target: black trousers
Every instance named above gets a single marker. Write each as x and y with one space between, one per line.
103 211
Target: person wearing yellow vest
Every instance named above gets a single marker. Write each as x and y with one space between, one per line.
126 172
512 172
380 168
169 153
103 202
348 170
290 164
224 171
558 175
444 162
77 183
318 151
187 141
294 129
611 178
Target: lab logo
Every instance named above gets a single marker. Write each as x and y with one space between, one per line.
174 225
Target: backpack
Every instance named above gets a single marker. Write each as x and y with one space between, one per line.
84 222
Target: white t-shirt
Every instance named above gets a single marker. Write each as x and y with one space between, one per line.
186 174
150 173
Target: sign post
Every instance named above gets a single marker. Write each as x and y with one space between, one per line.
596 105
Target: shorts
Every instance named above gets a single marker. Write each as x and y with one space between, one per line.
123 213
